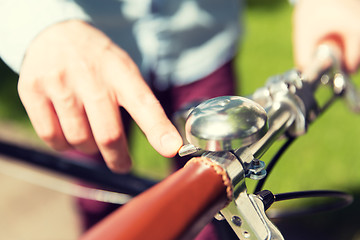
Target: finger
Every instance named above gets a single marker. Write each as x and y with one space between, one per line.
146 110
104 117
303 51
42 116
71 114
352 50
108 131
136 97
301 46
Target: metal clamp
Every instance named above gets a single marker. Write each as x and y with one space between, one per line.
246 213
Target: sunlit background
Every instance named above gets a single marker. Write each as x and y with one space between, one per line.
327 157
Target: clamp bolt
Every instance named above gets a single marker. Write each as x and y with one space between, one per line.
256 170
236 220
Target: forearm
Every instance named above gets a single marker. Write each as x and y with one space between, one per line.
23 20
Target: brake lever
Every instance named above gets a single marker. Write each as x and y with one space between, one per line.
327 58
352 95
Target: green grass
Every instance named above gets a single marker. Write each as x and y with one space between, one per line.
327 156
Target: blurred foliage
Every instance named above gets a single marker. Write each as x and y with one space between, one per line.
10 104
265 4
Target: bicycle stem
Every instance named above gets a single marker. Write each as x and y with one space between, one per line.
279 122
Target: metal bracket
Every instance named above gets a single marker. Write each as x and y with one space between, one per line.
245 213
246 216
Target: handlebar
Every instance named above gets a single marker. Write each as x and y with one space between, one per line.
188 200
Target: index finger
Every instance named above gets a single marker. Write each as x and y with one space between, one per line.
137 98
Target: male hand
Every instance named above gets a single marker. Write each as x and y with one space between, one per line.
318 21
72 82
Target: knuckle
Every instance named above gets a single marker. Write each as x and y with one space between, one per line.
115 57
67 98
80 139
26 85
56 74
49 136
147 100
53 79
110 138
56 80
53 139
120 165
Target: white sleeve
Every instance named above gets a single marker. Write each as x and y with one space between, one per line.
22 20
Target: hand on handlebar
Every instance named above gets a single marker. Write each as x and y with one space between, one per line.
72 82
324 20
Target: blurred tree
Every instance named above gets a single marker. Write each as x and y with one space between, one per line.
10 104
266 3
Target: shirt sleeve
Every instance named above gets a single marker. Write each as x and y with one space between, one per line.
22 20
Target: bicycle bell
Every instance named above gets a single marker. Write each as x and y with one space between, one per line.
226 123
